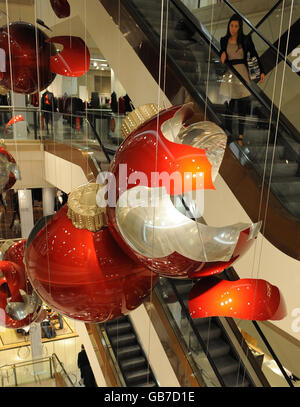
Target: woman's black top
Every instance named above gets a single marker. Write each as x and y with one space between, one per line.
247 45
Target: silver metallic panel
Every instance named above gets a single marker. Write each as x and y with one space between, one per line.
153 227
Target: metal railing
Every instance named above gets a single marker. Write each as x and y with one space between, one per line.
39 372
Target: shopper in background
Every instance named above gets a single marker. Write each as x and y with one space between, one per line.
85 369
235 46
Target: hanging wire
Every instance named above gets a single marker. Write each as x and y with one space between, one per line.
209 59
118 115
42 138
156 159
85 123
265 167
266 154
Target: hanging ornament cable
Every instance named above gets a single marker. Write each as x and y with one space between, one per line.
156 158
266 159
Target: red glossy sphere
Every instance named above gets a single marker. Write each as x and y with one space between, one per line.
252 299
82 274
24 77
73 60
15 253
61 8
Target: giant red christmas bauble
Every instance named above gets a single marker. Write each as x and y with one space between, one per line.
61 8
165 156
26 71
83 274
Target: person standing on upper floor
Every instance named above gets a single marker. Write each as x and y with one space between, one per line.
235 46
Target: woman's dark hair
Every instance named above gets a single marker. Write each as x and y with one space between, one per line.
240 37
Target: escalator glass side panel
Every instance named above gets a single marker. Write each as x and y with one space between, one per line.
268 145
205 339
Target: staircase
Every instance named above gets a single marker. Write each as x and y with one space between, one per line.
129 354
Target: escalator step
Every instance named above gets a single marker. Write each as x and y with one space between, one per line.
258 152
233 380
138 375
128 352
117 321
123 340
286 186
218 347
147 384
119 328
226 364
280 168
209 332
293 205
201 321
133 363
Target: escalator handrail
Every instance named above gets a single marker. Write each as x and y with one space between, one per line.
254 29
267 15
196 333
257 93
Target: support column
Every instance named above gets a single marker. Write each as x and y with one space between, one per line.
26 211
48 201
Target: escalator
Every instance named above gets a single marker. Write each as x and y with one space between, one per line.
208 334
270 153
129 353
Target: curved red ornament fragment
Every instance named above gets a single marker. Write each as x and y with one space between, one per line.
252 299
148 151
15 253
13 287
13 171
211 268
61 8
15 119
73 60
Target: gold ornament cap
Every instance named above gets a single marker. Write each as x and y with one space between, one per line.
137 117
2 144
83 209
4 247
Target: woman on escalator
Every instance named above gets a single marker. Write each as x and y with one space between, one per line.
235 46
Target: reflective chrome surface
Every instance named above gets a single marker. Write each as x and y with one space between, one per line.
20 310
151 225
209 136
5 169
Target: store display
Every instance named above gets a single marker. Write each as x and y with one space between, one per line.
77 268
9 171
61 8
253 299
